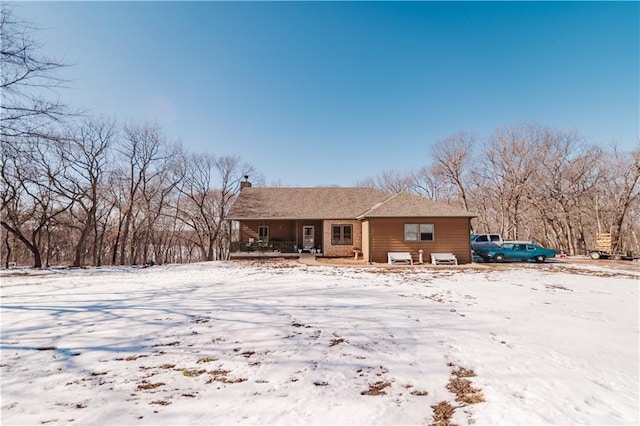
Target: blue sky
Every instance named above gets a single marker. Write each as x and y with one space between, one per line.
331 93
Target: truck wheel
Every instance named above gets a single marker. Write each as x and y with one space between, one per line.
499 257
594 255
539 258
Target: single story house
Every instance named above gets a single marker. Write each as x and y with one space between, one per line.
341 221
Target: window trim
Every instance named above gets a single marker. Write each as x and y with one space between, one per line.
418 234
341 241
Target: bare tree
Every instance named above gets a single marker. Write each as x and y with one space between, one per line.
564 178
620 191
158 191
209 188
85 155
430 182
28 111
451 157
26 77
509 167
388 181
146 156
31 201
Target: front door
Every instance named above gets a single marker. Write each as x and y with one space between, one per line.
307 237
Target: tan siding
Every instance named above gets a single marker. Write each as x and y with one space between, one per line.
451 236
341 250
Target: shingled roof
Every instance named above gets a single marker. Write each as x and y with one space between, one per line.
404 204
304 203
333 203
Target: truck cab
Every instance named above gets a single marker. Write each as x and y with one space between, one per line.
486 241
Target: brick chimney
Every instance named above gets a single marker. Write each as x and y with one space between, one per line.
245 183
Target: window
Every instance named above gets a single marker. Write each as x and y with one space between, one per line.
341 234
414 232
263 233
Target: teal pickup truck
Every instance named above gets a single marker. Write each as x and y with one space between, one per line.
515 251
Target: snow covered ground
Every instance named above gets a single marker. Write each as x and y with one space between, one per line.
285 343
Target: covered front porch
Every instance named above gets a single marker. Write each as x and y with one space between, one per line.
275 238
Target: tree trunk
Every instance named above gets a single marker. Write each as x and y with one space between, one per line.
35 251
8 246
82 242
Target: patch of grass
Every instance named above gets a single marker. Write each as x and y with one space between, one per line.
159 403
167 366
419 393
146 385
205 359
192 372
47 348
223 379
335 342
442 413
461 386
131 358
464 391
176 343
376 389
463 372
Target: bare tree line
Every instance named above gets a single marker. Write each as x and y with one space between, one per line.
533 182
83 190
99 194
